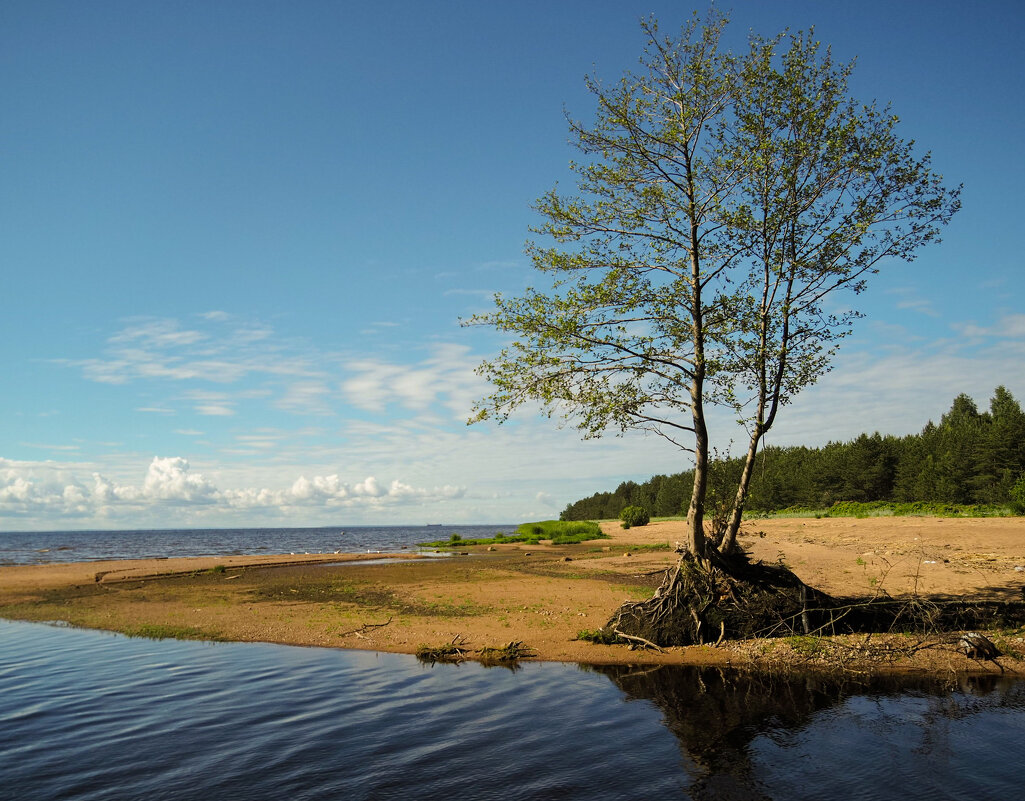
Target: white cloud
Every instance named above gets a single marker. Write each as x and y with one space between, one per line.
898 391
1010 326
169 480
158 333
43 492
228 352
214 410
306 397
445 377
910 300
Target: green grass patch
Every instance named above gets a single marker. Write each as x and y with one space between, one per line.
806 646
368 596
560 532
599 637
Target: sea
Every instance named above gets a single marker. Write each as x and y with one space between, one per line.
95 715
39 547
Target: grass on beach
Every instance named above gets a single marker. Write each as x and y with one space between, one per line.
560 532
859 509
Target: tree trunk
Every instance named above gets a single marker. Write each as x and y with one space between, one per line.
737 513
696 511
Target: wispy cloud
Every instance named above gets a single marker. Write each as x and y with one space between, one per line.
475 293
306 397
909 299
445 376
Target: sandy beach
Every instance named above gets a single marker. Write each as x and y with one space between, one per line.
541 596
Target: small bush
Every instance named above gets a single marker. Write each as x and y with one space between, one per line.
455 538
634 516
1018 496
599 637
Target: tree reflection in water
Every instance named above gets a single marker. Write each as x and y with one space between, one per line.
717 714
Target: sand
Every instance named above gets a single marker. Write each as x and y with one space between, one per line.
541 596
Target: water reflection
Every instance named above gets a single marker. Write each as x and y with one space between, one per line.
739 732
98 717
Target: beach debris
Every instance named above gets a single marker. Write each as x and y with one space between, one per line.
454 651
458 651
361 631
510 652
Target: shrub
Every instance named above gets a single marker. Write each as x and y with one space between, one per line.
560 532
634 516
1018 496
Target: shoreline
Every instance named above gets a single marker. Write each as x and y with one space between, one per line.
541 596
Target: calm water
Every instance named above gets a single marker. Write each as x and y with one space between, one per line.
90 715
81 546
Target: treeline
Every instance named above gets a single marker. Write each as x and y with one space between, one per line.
969 457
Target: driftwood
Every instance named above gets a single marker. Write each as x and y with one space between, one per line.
458 651
364 628
454 651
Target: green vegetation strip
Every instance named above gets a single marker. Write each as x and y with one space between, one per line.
886 509
560 532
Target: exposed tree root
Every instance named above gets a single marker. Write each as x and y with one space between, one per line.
724 598
731 598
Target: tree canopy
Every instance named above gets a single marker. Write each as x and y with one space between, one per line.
721 199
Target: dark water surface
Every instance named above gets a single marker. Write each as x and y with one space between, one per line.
91 715
35 547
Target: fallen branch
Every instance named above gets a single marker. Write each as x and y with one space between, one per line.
359 632
455 651
507 653
639 640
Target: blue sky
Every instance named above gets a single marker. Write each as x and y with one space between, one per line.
236 240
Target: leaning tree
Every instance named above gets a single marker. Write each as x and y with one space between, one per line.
723 199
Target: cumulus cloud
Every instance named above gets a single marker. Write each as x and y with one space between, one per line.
46 490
